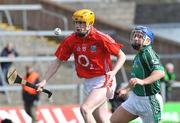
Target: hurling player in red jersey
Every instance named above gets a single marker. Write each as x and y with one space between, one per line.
91 50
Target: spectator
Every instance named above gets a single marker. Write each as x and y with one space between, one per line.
168 78
30 95
10 52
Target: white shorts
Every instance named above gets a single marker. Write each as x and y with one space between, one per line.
148 108
98 82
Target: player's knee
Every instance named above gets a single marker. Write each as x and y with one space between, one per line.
84 109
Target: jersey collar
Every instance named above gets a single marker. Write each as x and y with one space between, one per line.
91 33
145 47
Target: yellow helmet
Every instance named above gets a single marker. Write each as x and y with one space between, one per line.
84 15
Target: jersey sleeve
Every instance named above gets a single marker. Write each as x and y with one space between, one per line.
64 50
111 46
153 62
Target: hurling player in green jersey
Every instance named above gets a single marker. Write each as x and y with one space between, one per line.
144 101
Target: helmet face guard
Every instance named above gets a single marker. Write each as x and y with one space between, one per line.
142 33
80 28
137 33
83 16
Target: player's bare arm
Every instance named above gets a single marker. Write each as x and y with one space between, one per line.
155 75
52 69
119 63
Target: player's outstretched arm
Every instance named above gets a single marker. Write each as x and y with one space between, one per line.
51 70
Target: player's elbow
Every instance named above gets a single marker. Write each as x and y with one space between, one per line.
161 74
158 74
122 56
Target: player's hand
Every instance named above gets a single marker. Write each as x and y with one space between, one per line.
110 76
122 92
134 81
41 85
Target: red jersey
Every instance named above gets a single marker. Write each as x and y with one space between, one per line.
91 54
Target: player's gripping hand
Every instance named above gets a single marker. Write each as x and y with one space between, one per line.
134 81
41 85
110 75
122 92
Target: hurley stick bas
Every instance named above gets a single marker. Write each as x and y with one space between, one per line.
13 77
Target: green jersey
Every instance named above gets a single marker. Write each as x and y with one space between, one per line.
144 63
